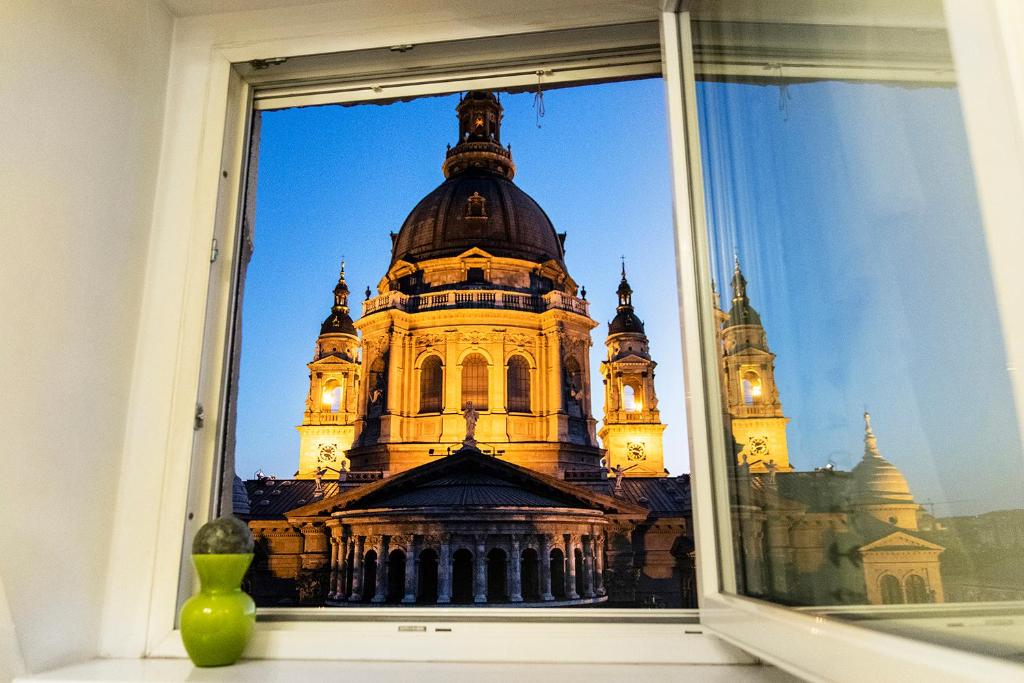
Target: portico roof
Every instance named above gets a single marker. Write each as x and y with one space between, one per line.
471 478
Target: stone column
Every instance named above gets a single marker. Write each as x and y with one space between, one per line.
332 577
444 571
381 593
339 583
599 569
410 571
588 567
516 585
545 567
570 566
357 571
480 571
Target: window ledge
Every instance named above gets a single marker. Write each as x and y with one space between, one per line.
298 670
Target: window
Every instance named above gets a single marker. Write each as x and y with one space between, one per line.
892 591
474 381
332 395
702 282
518 383
629 400
814 284
431 385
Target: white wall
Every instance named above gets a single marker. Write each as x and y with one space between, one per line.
82 87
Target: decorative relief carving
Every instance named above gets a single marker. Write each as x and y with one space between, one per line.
476 337
518 339
429 340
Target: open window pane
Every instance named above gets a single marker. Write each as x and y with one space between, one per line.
873 441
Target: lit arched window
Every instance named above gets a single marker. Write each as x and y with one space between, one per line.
332 396
431 385
751 388
629 402
916 589
474 381
518 385
892 591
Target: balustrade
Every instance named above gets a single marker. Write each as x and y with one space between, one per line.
476 299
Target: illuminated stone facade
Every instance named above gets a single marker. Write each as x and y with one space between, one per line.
467 467
750 395
328 424
631 430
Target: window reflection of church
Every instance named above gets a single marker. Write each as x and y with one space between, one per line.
477 323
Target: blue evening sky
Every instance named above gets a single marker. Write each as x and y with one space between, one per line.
880 297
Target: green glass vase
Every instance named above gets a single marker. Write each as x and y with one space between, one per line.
216 622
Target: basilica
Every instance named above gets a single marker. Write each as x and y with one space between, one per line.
448 453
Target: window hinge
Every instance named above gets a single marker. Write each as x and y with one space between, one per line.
214 251
197 423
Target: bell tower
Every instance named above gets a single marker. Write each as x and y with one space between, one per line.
327 428
632 428
748 381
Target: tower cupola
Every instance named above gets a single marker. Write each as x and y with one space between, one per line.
625 320
741 313
479 145
339 321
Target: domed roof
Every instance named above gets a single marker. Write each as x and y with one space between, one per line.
478 205
741 313
625 319
875 479
339 321
446 222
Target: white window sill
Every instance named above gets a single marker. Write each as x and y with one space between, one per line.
299 670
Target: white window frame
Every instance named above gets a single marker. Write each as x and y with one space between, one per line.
204 137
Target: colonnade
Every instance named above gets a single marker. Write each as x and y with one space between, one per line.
477 568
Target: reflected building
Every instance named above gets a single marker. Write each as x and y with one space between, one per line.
448 451
814 538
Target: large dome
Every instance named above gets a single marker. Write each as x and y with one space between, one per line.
875 479
478 205
444 222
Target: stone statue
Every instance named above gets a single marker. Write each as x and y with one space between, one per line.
471 417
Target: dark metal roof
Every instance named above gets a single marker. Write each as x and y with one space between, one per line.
271 498
663 496
515 225
467 488
626 321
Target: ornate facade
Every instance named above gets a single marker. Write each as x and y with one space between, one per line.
632 429
750 396
328 424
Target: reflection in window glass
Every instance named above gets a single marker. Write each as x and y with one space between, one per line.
867 402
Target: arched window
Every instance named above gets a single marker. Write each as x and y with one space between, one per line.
332 396
629 399
474 381
518 385
751 387
916 589
431 385
892 591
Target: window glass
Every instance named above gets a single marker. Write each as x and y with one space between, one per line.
518 385
873 437
431 385
474 381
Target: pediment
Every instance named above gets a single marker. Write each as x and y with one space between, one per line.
900 541
475 252
632 358
471 478
329 360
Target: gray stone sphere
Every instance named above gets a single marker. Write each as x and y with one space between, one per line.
224 535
